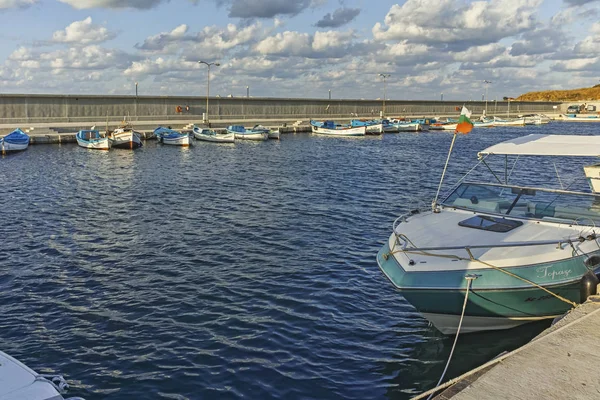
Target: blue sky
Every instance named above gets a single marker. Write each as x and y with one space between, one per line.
300 48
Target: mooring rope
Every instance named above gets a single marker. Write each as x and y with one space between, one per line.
505 355
469 279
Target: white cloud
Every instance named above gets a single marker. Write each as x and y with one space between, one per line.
480 53
5 4
287 43
159 66
83 4
456 23
83 32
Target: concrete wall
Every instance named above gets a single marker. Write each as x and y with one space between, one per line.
15 108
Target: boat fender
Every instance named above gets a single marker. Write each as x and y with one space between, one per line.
589 286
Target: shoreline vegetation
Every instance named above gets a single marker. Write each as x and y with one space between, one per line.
581 94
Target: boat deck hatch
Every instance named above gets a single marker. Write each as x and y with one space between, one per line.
491 224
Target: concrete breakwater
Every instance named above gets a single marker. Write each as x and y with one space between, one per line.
19 109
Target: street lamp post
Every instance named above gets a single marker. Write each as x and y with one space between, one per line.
384 76
486 82
136 100
208 83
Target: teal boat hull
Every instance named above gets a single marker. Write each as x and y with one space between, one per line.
496 300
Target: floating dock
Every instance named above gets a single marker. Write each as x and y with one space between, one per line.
561 363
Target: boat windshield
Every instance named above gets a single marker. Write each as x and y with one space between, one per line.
545 204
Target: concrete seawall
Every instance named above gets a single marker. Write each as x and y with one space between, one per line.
560 363
19 109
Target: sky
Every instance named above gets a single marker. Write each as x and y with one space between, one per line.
300 48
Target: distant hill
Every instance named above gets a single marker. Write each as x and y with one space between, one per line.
583 94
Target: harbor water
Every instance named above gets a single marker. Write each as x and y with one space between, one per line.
229 271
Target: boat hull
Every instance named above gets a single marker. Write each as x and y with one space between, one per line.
514 122
375 129
14 141
483 124
442 127
581 119
252 136
358 131
183 140
490 306
274 134
6 147
94 144
216 138
125 140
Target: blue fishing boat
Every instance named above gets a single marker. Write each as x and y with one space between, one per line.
172 137
333 129
497 255
242 133
91 139
372 127
17 140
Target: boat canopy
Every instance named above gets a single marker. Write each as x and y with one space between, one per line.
547 145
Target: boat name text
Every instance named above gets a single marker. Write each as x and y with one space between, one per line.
547 272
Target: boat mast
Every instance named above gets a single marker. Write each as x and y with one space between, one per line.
434 205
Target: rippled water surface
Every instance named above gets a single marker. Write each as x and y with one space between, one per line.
228 271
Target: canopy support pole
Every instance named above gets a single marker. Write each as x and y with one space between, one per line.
493 173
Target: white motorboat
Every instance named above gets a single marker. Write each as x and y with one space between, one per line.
19 382
496 255
209 135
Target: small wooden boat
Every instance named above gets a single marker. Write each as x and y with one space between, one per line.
443 126
22 383
408 126
372 127
330 128
125 137
509 122
17 140
208 135
483 124
172 137
575 118
91 139
274 134
247 134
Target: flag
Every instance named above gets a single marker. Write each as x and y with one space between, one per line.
464 123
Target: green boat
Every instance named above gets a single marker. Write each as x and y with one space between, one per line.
496 255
